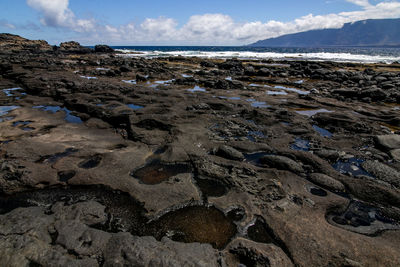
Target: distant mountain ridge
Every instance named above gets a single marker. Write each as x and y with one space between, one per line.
372 32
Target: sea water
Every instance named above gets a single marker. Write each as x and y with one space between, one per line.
342 54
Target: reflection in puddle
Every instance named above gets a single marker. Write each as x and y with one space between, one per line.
363 219
88 77
134 107
276 93
197 89
228 78
68 116
322 131
129 81
186 76
9 91
5 109
299 81
156 172
300 92
351 166
258 104
301 144
311 112
105 69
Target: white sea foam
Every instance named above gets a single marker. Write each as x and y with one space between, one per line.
321 56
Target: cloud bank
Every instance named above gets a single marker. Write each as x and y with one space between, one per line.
204 29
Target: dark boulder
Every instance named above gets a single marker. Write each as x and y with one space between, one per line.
103 49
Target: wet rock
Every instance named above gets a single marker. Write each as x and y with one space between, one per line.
282 163
388 142
382 172
326 182
229 153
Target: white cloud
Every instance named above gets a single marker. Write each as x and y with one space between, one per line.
362 3
205 29
55 13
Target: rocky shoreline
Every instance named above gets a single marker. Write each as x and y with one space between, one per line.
113 160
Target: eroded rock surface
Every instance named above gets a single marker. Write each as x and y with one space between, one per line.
117 160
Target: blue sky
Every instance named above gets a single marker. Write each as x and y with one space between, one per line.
178 22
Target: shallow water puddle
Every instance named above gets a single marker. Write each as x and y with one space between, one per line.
88 77
134 107
300 145
157 83
363 219
195 224
311 112
211 187
156 172
8 118
323 132
10 91
316 191
351 166
259 104
91 163
65 176
254 158
104 69
299 82
18 123
229 78
186 76
253 135
55 157
189 224
68 116
129 81
276 93
197 89
300 92
5 109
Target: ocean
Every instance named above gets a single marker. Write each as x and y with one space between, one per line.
342 54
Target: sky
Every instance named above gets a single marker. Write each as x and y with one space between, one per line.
179 22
